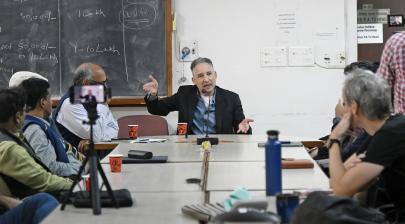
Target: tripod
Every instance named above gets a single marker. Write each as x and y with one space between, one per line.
95 167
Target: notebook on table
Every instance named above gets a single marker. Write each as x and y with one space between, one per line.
297 164
154 159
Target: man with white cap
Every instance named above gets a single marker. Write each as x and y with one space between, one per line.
18 77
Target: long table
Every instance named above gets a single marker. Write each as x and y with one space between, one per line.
160 190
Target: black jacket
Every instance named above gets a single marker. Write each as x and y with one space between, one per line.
228 108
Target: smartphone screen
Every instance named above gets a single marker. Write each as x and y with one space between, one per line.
89 94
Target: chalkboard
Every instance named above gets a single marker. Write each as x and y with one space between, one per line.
129 38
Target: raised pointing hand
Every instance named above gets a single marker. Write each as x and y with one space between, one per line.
152 86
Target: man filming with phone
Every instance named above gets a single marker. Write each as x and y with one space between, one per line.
69 117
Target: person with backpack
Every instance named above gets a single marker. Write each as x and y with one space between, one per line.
21 171
60 157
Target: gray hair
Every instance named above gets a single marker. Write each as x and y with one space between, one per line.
370 92
199 61
81 74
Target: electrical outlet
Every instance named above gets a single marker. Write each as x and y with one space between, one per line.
301 56
188 51
273 56
341 58
331 60
327 60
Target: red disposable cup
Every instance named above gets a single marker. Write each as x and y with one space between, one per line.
116 163
133 130
181 128
86 182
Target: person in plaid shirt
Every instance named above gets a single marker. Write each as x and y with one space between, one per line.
392 69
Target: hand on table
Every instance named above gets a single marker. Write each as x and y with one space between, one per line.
244 125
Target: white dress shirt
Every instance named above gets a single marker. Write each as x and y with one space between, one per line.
71 116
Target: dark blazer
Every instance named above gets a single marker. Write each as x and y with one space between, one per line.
228 108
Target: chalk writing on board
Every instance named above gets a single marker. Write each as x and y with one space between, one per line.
20 1
138 16
51 57
26 44
5 46
52 37
88 13
44 17
6 69
96 48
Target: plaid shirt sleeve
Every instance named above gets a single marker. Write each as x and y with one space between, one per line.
392 69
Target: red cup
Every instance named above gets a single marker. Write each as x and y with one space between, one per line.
116 163
181 128
86 182
133 130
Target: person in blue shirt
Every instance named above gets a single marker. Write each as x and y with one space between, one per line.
31 210
206 107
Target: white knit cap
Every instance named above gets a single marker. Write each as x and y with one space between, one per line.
18 77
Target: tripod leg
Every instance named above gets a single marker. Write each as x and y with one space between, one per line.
94 188
107 184
78 177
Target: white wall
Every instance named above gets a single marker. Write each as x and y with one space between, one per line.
295 100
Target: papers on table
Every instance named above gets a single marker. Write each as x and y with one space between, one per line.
148 140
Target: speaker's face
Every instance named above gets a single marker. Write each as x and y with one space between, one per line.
205 78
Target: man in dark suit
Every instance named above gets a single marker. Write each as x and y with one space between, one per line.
89 97
206 107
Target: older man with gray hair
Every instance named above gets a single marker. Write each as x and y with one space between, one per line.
367 104
69 117
207 108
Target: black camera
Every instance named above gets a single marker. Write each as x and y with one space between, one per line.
89 94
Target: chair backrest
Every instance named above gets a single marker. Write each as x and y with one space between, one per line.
149 125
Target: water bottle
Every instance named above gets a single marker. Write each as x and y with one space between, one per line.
273 163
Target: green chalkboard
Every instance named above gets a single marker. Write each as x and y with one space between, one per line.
129 38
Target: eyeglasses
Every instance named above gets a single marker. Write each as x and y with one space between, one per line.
104 83
208 74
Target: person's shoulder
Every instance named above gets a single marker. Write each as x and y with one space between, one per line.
69 108
226 92
396 41
32 128
186 88
7 147
395 122
65 104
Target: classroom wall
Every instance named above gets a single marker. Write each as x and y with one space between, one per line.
295 100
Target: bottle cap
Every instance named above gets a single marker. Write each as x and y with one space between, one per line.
271 133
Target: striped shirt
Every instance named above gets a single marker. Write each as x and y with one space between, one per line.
392 69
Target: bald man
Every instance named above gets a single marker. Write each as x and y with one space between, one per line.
69 117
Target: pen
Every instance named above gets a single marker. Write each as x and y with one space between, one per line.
290 143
